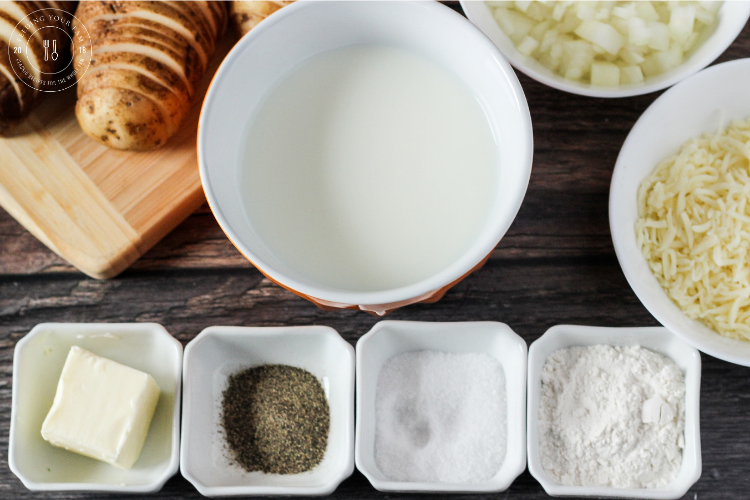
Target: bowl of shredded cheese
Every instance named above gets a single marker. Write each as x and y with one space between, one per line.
679 210
612 48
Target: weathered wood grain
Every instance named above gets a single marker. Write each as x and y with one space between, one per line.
549 225
556 265
530 295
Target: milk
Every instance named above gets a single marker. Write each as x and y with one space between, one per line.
369 168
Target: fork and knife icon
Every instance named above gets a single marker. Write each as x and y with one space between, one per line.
54 54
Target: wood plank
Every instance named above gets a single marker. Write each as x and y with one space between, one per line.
549 225
47 190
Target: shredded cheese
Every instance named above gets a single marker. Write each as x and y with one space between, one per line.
693 228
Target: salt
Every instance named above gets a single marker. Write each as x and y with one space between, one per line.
440 417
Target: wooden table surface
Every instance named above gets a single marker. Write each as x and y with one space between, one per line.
555 265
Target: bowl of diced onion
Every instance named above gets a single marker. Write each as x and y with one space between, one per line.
609 48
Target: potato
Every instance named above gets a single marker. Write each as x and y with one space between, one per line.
248 13
147 61
124 119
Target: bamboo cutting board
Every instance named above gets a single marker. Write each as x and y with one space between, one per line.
98 208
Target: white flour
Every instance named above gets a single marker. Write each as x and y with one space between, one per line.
611 416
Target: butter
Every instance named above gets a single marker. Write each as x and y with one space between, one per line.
102 409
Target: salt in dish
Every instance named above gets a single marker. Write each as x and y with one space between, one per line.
456 342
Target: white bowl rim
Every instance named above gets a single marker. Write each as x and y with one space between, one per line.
446 277
518 459
673 490
263 332
686 69
639 288
174 461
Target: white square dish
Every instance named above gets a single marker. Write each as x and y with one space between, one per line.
657 339
37 363
218 352
389 338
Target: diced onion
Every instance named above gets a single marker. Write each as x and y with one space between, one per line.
631 74
527 45
603 35
605 74
681 22
640 39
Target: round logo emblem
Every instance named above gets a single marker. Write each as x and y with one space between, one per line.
40 50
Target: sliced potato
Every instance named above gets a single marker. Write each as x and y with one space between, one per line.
147 61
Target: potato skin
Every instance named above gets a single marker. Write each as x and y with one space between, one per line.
123 119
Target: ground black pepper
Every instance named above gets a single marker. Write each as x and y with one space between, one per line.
276 419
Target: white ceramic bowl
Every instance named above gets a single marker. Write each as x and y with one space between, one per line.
732 17
37 364
689 109
389 338
219 351
304 29
657 339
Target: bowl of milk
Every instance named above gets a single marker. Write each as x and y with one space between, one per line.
365 154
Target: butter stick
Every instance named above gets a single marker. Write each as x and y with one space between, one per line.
102 409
